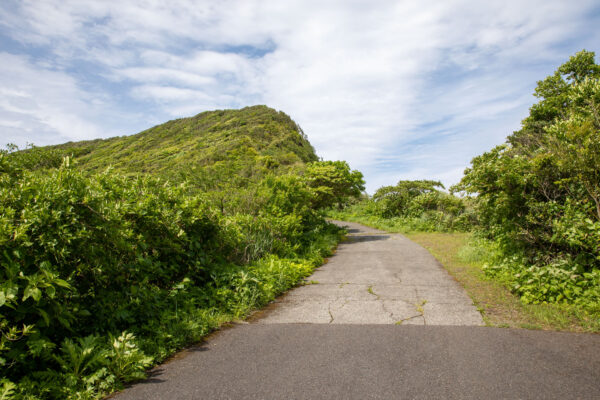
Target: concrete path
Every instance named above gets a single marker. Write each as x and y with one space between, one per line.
376 278
338 339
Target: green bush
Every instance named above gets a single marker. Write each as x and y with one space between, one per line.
82 255
102 275
559 282
411 206
538 195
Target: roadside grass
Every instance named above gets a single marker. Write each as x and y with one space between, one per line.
499 306
390 224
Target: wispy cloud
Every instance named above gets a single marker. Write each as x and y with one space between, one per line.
44 106
399 89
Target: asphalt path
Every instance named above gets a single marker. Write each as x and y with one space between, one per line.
367 349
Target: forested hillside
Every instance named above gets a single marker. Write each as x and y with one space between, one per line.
115 253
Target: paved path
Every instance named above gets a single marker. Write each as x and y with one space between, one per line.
376 278
318 361
353 349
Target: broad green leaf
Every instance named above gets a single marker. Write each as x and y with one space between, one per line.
33 292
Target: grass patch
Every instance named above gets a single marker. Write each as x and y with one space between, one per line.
499 307
304 283
387 224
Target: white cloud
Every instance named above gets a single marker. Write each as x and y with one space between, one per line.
37 104
151 74
372 83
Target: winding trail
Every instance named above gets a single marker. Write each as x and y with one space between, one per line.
385 321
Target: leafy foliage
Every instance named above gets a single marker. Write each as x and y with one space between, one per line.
539 194
105 271
333 183
412 206
223 147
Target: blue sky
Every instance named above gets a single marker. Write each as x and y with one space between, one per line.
399 89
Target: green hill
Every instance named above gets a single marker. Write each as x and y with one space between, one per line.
149 242
236 140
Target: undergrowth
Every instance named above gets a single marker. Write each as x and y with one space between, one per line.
556 290
558 283
431 222
104 275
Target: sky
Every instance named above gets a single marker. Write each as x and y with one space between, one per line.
399 89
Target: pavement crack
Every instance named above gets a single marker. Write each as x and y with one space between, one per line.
399 322
419 309
330 313
387 311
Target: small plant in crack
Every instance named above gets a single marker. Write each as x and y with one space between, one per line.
371 292
420 306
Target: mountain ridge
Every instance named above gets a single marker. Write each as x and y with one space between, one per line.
257 134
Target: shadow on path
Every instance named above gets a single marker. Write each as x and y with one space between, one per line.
366 238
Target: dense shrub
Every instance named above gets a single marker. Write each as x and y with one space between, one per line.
82 255
333 183
538 195
412 206
102 275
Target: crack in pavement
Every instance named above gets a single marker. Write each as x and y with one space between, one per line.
333 303
399 322
387 311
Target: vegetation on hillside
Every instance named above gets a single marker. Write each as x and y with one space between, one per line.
238 145
108 270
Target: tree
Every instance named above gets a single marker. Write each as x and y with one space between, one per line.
396 200
333 183
555 102
539 193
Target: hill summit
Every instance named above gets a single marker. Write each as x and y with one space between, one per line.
249 136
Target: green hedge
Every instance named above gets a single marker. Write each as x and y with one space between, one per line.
103 275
